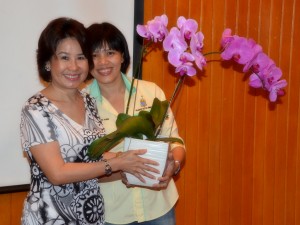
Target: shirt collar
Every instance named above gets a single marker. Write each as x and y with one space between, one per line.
95 91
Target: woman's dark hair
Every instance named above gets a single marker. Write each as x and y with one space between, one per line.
57 30
106 34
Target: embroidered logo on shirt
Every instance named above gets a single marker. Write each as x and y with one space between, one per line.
143 102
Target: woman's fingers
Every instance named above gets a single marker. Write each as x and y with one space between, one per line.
160 185
140 153
137 165
139 176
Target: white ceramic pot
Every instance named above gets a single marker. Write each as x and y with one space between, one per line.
156 151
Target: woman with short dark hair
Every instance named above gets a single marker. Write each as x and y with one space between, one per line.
57 126
111 89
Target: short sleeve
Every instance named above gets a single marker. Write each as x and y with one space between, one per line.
35 127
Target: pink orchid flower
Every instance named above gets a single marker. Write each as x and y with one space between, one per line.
255 81
276 90
183 62
266 77
196 43
144 32
155 30
241 50
175 41
200 60
177 58
227 38
186 69
187 27
260 63
272 76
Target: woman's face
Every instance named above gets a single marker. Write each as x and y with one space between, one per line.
107 65
69 67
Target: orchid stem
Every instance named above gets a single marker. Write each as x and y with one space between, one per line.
130 93
179 83
136 72
211 53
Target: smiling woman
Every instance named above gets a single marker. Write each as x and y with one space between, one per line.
14 170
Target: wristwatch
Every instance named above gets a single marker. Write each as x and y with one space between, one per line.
108 170
178 169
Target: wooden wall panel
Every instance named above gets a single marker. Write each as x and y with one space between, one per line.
243 153
17 206
11 205
5 206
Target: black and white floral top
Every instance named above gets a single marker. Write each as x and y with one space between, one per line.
74 203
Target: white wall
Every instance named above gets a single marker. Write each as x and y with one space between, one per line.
21 23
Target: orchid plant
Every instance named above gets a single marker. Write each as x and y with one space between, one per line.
184 47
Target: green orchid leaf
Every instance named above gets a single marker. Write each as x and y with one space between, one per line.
120 119
137 124
144 124
128 126
158 111
138 136
146 114
103 144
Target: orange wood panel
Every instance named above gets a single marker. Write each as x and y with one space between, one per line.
281 41
240 96
5 203
17 206
11 205
242 151
292 203
249 125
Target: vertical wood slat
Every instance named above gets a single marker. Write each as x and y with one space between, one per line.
293 132
281 151
247 150
5 205
17 207
11 206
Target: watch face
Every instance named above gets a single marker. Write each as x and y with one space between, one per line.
108 170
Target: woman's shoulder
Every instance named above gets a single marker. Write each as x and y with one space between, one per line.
149 90
36 99
89 99
148 84
87 96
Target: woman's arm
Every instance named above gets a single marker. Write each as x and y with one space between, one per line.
115 175
58 172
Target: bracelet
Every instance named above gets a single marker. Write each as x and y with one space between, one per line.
108 169
178 169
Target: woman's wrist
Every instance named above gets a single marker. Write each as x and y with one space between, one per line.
177 167
107 168
114 163
110 163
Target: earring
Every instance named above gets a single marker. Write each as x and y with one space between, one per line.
47 67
